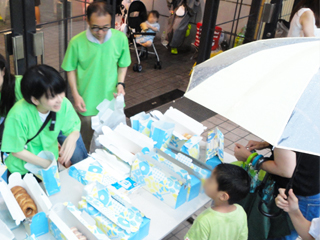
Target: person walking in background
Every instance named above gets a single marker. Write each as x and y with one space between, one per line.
305 19
96 62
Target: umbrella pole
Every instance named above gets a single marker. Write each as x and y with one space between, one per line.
290 183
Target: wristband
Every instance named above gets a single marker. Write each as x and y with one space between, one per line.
250 157
121 83
256 159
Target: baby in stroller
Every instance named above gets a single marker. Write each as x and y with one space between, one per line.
149 26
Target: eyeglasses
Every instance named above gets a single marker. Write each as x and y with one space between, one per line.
97 29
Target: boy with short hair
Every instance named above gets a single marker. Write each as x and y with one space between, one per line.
225 220
43 90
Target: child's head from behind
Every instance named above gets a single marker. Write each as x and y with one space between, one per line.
228 183
43 87
153 16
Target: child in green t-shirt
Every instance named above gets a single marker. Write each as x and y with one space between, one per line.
225 220
43 91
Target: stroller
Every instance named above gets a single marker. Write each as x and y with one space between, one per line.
137 14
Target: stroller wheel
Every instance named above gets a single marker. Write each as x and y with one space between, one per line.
139 68
157 65
135 67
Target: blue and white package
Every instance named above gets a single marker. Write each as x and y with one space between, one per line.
215 148
161 133
141 122
49 176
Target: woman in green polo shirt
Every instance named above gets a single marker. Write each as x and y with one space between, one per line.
10 93
43 92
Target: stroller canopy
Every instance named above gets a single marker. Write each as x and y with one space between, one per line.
137 14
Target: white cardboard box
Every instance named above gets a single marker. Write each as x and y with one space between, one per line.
124 142
65 217
29 183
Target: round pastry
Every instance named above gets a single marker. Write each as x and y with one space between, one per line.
16 189
21 198
78 234
187 136
29 208
24 200
74 229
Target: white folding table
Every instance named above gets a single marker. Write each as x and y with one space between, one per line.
164 219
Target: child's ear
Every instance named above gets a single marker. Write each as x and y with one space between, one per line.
35 101
224 197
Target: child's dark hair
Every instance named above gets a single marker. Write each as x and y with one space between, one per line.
234 180
39 80
100 7
154 13
8 96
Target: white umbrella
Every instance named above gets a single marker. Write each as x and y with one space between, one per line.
270 87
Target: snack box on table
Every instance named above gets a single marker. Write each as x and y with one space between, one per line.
117 218
90 170
215 148
3 172
184 125
195 168
65 216
124 142
168 184
38 224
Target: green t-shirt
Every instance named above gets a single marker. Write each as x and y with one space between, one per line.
17 89
97 67
213 225
23 122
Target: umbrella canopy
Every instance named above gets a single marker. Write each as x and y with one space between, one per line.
270 87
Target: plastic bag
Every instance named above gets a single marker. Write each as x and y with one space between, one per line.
111 114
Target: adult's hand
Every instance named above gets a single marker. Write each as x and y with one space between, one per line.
120 90
255 145
68 147
241 152
287 203
79 104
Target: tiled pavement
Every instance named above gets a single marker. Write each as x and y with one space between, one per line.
151 83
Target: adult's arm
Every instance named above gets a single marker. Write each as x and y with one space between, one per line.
79 104
301 225
122 71
307 23
290 205
32 158
283 164
68 147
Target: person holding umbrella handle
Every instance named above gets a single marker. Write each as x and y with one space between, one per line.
308 230
302 170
